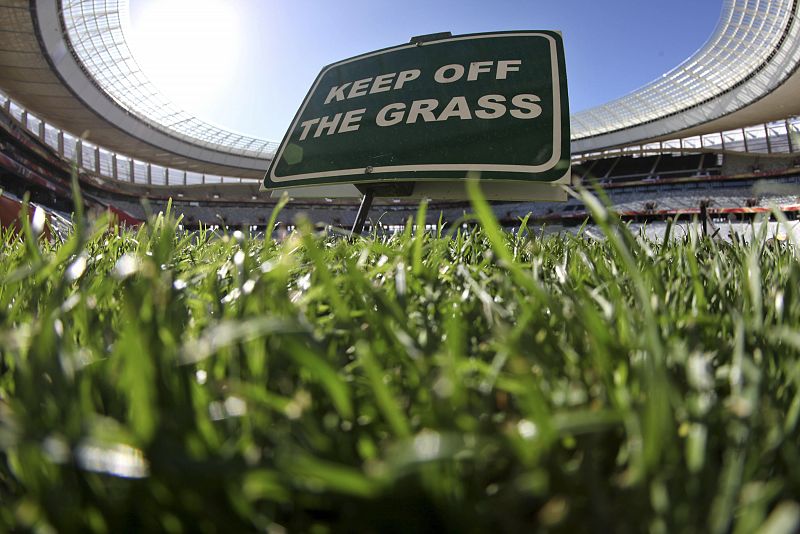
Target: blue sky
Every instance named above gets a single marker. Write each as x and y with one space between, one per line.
247 64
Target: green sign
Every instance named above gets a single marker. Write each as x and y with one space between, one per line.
431 112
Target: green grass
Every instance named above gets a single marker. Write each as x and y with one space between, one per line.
444 381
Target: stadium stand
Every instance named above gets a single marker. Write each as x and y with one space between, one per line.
729 136
649 187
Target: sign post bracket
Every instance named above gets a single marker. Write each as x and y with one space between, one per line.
430 37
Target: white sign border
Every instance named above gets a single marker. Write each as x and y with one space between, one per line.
551 163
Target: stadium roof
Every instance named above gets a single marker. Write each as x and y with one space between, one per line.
68 61
754 50
96 32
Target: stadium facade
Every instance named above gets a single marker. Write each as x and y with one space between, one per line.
719 129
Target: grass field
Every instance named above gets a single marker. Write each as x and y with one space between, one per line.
445 381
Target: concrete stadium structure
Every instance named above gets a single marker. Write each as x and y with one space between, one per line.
69 79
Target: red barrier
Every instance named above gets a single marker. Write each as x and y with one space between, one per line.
123 217
10 212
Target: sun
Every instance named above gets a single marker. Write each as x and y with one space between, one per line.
188 48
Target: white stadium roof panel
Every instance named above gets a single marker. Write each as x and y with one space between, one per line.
95 30
747 37
749 34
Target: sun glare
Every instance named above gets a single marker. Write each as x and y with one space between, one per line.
188 48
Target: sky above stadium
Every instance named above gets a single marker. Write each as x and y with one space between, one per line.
246 65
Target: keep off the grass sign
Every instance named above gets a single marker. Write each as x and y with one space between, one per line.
494 104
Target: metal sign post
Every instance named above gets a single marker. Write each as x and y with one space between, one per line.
363 211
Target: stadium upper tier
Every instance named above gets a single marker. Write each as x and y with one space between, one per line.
68 61
96 33
746 73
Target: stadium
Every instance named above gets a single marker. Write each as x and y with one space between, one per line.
555 413
719 127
